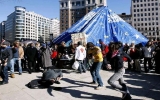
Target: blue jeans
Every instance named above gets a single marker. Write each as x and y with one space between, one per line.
13 61
5 72
117 76
95 73
81 66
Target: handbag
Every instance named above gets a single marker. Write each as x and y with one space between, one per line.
75 65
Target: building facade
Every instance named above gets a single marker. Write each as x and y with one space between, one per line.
22 24
55 28
126 17
146 17
2 30
73 10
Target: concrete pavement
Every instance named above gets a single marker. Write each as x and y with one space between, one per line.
75 87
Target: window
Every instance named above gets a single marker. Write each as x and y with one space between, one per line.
145 24
148 9
141 9
153 24
100 1
141 24
145 5
138 19
148 4
88 1
78 3
134 10
152 4
156 23
83 3
137 10
145 9
156 8
134 19
134 5
145 19
152 13
152 9
149 19
141 19
141 14
145 14
156 13
149 14
134 15
138 5
156 18
141 5
93 1
66 4
62 4
156 4
138 15
73 3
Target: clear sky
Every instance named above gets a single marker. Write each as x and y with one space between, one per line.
50 8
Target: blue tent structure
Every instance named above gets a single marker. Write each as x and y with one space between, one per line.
102 23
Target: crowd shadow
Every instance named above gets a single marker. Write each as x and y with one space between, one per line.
75 93
84 95
145 85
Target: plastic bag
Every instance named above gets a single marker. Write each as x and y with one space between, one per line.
75 65
125 65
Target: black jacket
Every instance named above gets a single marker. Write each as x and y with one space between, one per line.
4 54
117 61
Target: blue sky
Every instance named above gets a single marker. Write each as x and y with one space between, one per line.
50 8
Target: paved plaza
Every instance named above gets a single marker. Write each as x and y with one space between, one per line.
75 87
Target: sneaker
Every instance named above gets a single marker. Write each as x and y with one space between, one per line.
12 76
3 83
126 96
99 87
57 82
20 73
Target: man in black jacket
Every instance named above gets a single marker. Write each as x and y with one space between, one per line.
6 56
31 54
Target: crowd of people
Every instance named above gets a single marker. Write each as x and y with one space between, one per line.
36 57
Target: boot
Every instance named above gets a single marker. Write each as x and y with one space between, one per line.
1 78
12 76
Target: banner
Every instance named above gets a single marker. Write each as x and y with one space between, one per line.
79 37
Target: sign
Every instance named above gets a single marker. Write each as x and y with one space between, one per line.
78 37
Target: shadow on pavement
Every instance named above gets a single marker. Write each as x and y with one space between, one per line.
84 95
145 85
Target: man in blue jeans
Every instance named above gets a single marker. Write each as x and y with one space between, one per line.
6 55
97 64
16 57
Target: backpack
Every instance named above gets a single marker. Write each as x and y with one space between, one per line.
33 84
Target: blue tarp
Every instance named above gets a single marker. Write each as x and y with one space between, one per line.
102 23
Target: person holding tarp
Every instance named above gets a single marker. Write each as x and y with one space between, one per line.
117 62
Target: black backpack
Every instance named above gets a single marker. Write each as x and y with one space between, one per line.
33 84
